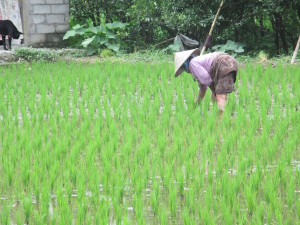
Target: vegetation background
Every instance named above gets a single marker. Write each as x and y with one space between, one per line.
269 25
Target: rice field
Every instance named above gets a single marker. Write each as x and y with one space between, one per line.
123 143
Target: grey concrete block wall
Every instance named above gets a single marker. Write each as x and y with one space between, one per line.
44 22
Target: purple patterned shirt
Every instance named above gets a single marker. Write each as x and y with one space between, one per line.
200 68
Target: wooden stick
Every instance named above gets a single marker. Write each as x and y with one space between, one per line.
211 29
296 51
164 41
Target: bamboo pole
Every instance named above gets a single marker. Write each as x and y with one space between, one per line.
296 51
164 41
211 29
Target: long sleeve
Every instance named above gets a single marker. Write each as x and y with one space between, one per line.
200 74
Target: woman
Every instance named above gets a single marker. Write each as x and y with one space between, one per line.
214 70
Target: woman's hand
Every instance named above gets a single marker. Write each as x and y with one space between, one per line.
221 102
213 97
213 93
200 96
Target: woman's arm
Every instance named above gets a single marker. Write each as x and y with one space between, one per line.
201 95
221 102
202 76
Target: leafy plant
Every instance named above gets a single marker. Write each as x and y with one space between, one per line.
33 54
94 37
230 47
173 47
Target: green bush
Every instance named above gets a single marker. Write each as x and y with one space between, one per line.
106 53
94 37
31 54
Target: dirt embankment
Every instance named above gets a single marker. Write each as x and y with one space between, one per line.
7 57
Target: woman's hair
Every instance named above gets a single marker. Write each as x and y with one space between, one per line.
186 64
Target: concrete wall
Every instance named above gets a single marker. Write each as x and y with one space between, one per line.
44 22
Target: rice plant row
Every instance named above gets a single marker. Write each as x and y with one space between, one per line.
123 143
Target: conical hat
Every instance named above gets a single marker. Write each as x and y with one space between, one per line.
180 58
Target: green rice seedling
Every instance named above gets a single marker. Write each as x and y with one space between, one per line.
190 200
36 186
102 213
19 217
206 218
261 213
237 210
298 208
119 213
63 208
270 194
181 182
173 202
27 206
10 170
125 219
25 172
209 197
5 211
251 200
186 217
154 203
138 208
279 216
82 211
227 217
291 193
44 204
210 177
163 215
